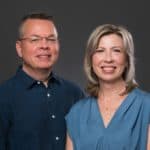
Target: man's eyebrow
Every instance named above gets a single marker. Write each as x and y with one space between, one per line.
35 35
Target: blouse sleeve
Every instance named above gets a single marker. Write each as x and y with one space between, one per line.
72 121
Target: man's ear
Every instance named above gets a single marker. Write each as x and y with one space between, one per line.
18 48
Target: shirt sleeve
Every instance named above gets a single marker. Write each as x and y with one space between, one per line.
4 122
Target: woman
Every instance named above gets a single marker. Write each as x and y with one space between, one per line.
116 115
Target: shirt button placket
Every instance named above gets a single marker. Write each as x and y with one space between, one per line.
57 138
53 116
38 82
48 95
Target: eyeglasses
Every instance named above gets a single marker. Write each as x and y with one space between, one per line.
39 39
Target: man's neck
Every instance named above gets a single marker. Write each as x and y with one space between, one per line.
38 74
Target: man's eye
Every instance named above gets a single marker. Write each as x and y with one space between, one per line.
52 39
35 40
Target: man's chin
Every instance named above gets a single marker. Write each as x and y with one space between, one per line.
44 68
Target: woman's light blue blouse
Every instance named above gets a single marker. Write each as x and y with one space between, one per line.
127 130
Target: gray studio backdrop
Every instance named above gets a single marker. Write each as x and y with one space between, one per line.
75 21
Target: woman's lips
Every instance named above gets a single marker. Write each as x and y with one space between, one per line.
108 69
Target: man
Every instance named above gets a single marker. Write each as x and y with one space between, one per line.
34 102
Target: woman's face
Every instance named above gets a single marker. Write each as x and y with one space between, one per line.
109 59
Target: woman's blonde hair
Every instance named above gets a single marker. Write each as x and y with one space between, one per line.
93 41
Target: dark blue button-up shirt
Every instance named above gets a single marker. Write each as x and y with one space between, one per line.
32 115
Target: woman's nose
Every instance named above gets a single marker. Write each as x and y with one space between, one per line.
108 56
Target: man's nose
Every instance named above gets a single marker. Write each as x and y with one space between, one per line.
44 42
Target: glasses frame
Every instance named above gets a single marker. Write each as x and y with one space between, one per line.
39 39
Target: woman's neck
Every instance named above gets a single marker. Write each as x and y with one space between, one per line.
112 89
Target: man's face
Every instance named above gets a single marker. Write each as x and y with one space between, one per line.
38 46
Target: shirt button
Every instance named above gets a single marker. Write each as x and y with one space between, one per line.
48 94
53 116
38 82
57 138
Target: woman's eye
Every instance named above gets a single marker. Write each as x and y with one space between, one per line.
99 50
117 50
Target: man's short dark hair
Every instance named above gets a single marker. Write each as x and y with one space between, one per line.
41 15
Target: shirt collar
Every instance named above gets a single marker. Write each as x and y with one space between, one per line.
29 82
